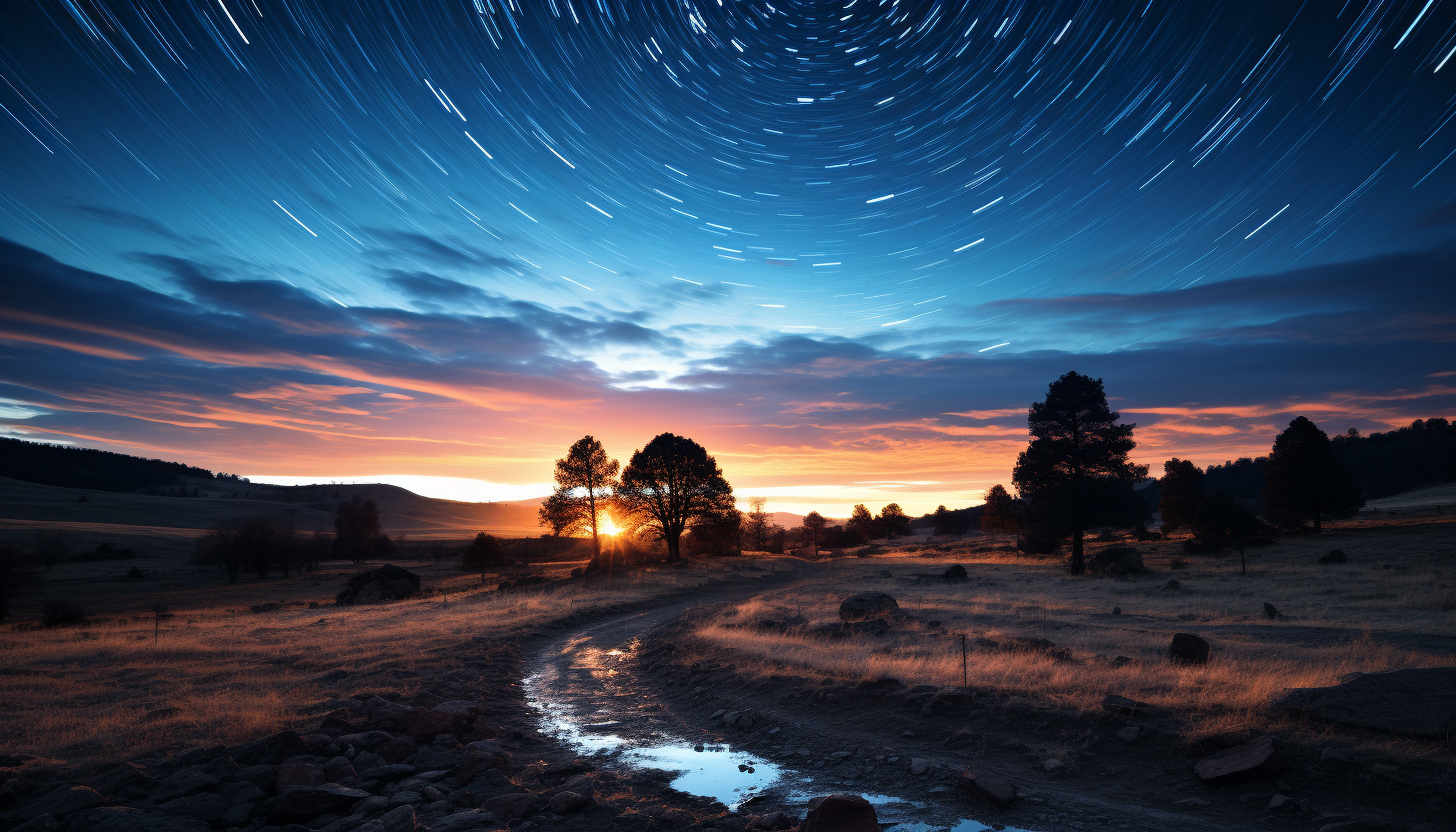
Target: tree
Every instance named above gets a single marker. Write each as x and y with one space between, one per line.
815 523
670 484
1304 482
757 524
1076 471
1182 486
864 523
482 553
1223 521
999 512
585 480
356 531
16 571
894 521
50 548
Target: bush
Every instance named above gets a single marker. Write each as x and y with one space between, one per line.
61 613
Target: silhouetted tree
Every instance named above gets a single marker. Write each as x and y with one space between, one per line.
585 480
1076 471
1223 521
16 571
670 484
484 552
356 532
863 523
894 521
814 522
50 548
999 512
1182 486
719 532
1304 482
757 525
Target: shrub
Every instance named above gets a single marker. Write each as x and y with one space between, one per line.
61 613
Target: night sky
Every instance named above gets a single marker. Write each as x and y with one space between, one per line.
843 245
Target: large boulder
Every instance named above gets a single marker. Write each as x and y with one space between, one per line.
1115 561
1419 701
1257 758
867 606
840 813
387 583
62 801
996 788
312 801
1188 649
127 819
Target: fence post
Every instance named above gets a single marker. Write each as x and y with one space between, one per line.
965 676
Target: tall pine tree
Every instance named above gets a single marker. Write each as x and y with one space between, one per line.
1182 486
1303 481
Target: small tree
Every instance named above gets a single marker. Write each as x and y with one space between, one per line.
670 484
757 524
1076 471
1182 492
50 548
585 480
894 521
356 531
1223 521
999 512
483 553
864 523
1303 481
814 522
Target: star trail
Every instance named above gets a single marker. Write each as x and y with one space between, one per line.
781 217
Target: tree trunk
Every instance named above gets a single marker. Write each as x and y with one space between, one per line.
1079 565
673 552
1317 523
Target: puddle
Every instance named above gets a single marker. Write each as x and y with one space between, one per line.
581 701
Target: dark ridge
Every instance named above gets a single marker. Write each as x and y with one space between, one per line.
88 467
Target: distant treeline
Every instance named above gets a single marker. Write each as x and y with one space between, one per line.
88 468
1382 464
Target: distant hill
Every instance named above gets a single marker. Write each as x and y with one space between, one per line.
88 468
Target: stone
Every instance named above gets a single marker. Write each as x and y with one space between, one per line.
1191 801
1188 649
186 782
263 776
1130 707
397 750
1117 610
405 797
1279 801
424 723
840 813
1420 701
113 777
388 771
473 820
479 756
518 805
312 801
1271 612
127 819
773 820
398 819
237 815
1115 561
867 606
568 803
44 823
386 582
1257 758
62 801
955 573
1130 733
1173 583
994 787
919 765
274 748
1334 556
205 806
1052 765
338 769
299 774
433 757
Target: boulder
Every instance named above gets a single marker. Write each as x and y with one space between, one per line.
955 573
205 806
312 801
1272 612
338 769
840 813
479 756
568 803
1115 561
274 748
1130 733
239 792
423 723
472 820
386 583
398 819
867 606
519 805
1420 701
1129 707
62 801
127 819
113 777
1334 556
1188 649
994 787
1257 758
299 774
188 781
262 776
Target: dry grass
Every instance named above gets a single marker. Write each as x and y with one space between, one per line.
1386 608
84 693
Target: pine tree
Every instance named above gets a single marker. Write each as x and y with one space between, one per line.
863 522
999 512
894 521
1076 471
1182 487
1303 481
815 523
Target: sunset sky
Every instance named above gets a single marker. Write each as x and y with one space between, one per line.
842 245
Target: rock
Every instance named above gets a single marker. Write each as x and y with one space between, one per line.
919 765
774 820
473 820
239 792
1115 561
397 750
113 777
405 798
1334 556
299 774
188 781
399 819
44 823
1362 826
1191 801
1257 758
205 806
274 748
62 801
1130 707
568 803
338 769
994 787
434 758
263 776
1419 701
1278 801
867 606
424 723
1173 583
388 582
840 813
519 805
479 756
1130 733
1051 765
1117 610
1271 613
1188 649
312 801
955 573
126 819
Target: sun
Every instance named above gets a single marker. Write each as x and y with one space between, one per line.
606 526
